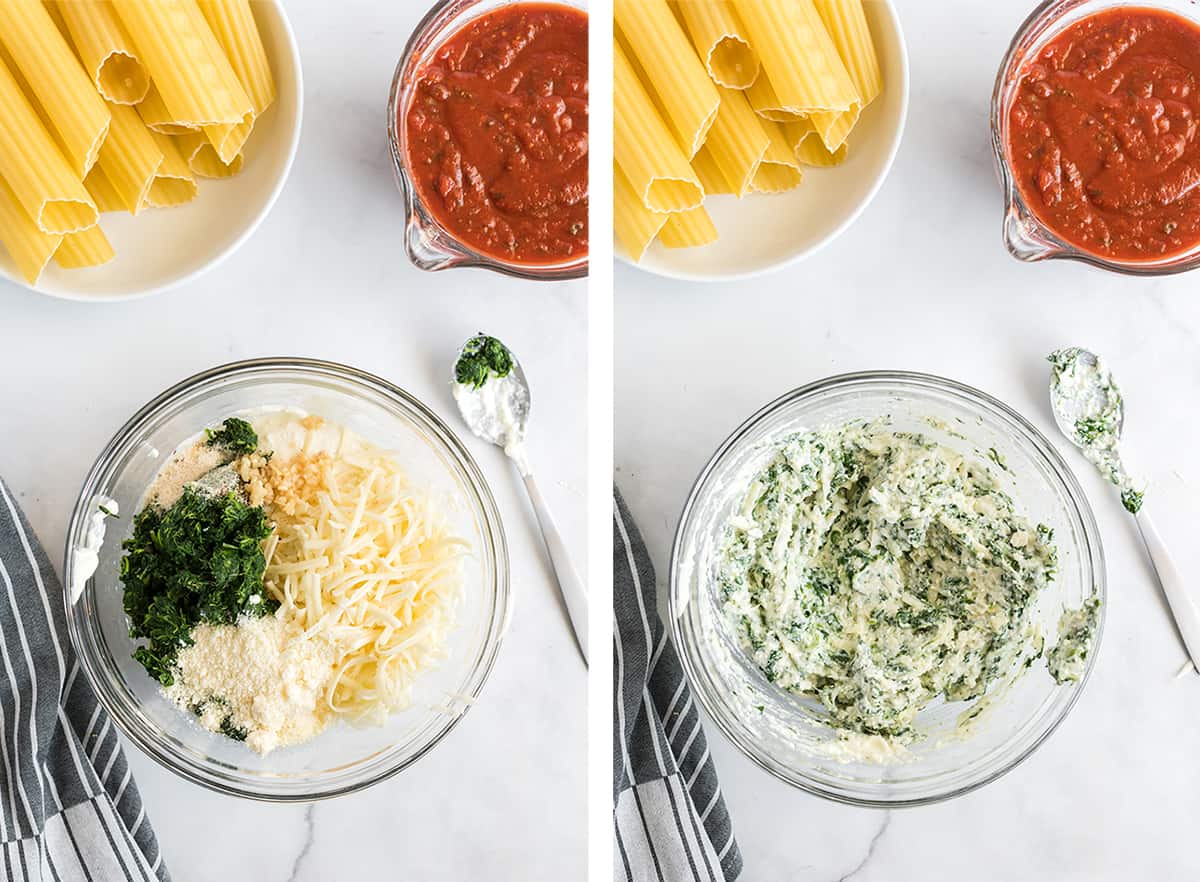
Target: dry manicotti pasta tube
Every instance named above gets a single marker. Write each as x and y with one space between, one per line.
798 55
712 179
155 114
55 79
87 248
130 158
103 193
105 49
779 170
767 104
721 41
29 247
174 183
645 148
636 226
809 148
42 180
202 157
737 142
232 23
228 140
672 70
193 77
846 22
688 229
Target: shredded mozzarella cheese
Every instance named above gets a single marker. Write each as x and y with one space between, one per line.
371 566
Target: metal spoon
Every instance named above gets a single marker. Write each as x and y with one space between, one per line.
1090 411
498 412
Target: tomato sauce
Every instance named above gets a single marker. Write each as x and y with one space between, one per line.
497 134
1102 135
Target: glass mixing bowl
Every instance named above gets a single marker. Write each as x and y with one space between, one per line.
343 758
1025 235
431 246
786 734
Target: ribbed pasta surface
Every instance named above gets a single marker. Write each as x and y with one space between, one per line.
689 229
791 78
55 79
193 77
31 249
720 40
43 181
644 147
680 84
92 94
88 248
130 158
105 48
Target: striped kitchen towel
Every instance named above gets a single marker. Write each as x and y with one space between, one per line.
670 820
69 810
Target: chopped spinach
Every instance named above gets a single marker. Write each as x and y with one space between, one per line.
482 358
236 436
1132 500
998 458
228 727
1088 430
201 560
230 730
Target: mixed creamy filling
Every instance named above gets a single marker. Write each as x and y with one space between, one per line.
878 571
1087 398
1067 660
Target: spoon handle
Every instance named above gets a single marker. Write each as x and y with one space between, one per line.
574 593
1183 608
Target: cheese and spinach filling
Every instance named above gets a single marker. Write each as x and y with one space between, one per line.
1076 633
1086 397
878 571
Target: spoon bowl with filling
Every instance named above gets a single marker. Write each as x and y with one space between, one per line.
956 745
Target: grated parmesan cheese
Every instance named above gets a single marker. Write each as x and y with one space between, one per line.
260 676
188 464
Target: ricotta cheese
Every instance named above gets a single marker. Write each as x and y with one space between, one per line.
87 553
498 410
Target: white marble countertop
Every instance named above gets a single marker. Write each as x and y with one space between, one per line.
922 282
326 277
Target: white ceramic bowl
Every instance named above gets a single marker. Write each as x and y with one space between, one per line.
760 234
161 248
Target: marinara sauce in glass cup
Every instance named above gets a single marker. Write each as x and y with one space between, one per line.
430 239
1028 236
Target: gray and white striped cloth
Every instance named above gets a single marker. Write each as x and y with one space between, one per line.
670 820
69 810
